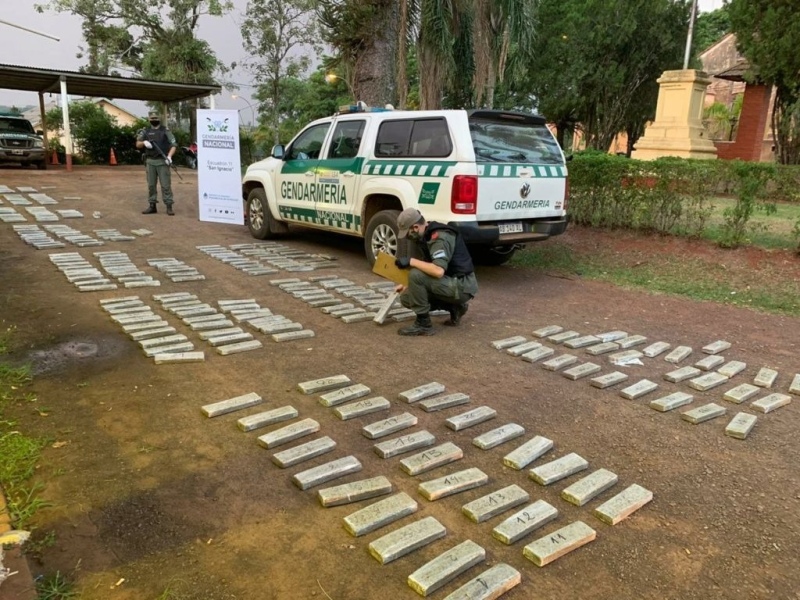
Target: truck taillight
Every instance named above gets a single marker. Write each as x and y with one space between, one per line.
464 197
566 193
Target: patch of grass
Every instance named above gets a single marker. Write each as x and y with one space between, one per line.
19 453
691 278
550 257
5 340
24 503
12 378
55 587
170 593
770 230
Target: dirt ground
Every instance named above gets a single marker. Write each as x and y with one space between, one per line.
150 499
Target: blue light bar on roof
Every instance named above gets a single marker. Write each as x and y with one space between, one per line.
361 107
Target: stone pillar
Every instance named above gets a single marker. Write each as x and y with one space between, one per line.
678 127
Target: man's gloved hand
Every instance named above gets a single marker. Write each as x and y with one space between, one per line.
148 145
402 262
168 160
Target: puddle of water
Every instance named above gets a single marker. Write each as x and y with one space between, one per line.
80 350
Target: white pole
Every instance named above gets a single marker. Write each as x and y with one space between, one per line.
211 103
47 35
692 19
66 126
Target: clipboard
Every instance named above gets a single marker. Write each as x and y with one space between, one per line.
385 267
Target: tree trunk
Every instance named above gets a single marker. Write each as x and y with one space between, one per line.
374 79
491 82
634 132
276 117
193 120
561 133
431 78
402 55
786 127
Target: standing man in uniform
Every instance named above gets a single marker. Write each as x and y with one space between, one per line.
445 279
159 146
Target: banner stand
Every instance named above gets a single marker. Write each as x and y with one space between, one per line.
219 170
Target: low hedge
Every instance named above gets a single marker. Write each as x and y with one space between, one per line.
673 195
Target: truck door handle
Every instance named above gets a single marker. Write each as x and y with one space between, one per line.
310 173
348 174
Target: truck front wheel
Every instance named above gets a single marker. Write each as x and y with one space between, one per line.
259 220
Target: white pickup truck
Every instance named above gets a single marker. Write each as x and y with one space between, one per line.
498 177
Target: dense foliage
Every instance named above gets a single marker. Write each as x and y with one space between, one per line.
768 33
156 39
280 37
597 61
674 196
95 133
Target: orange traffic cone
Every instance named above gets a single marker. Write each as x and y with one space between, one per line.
112 159
54 159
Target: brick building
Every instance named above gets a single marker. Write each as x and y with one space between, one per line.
751 137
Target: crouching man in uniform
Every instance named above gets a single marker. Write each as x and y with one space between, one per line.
444 280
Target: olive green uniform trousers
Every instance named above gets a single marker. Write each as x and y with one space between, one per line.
425 292
158 171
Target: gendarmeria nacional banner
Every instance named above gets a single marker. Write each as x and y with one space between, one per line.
219 176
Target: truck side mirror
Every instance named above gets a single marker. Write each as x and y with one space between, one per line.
278 152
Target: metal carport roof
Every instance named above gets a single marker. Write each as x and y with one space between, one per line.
33 79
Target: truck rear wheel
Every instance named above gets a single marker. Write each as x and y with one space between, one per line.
381 235
259 220
492 256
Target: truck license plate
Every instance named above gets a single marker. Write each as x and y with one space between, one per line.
18 152
510 228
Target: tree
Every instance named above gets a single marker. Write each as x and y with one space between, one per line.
439 22
768 35
709 28
157 39
503 30
303 101
274 32
95 132
597 62
365 35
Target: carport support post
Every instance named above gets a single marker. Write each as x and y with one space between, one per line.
211 103
65 115
44 129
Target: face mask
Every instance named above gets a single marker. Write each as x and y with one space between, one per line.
414 236
155 123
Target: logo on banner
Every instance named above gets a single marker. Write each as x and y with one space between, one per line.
222 139
214 126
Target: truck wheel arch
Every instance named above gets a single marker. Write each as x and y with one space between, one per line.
374 204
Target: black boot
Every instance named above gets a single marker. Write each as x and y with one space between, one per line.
422 326
170 212
150 210
456 312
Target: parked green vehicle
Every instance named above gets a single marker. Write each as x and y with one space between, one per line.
19 143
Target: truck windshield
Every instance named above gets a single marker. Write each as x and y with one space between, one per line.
508 142
15 125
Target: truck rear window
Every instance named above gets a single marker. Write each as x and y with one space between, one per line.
510 142
428 138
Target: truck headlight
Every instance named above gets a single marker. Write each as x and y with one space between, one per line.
38 144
